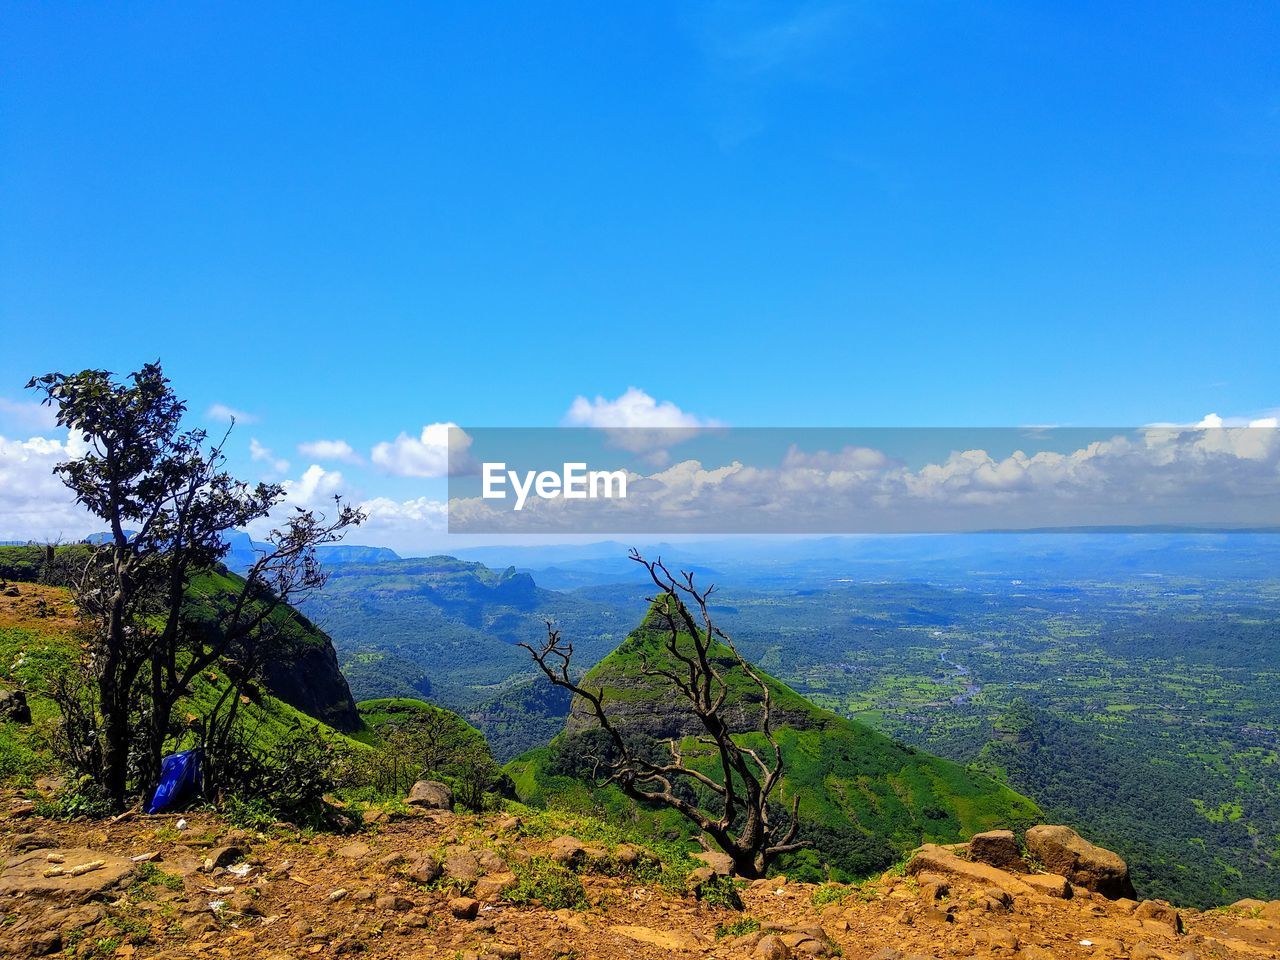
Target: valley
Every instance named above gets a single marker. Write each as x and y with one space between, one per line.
1130 686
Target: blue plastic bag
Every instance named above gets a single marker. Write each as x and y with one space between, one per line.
179 780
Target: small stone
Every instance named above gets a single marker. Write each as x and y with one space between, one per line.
354 851
424 870
337 895
393 903
464 908
771 948
223 856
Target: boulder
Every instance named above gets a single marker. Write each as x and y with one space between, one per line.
1160 912
721 864
425 870
1063 851
567 851
461 864
430 795
494 886
13 706
999 848
464 908
79 876
932 858
668 940
1050 884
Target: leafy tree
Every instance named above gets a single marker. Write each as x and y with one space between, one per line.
167 500
739 820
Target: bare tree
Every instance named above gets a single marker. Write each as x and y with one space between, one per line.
740 820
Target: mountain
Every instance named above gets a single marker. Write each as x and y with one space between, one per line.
864 798
450 628
244 551
301 669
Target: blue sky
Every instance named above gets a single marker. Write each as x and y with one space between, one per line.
354 221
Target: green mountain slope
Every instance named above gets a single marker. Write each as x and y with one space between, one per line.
864 798
448 629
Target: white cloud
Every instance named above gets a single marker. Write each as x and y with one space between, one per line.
28 415
315 488
329 450
1155 475
34 503
261 454
637 422
221 413
635 408
441 449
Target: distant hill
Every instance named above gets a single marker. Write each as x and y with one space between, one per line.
449 629
864 798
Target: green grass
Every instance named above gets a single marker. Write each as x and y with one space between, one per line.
864 798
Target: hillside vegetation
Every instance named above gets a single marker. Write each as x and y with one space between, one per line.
863 798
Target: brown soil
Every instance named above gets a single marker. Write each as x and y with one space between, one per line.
285 905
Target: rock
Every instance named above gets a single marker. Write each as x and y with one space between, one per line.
628 856
771 948
1160 912
354 851
490 862
1050 884
464 908
932 858
998 899
567 851
1144 951
886 953
933 886
663 939
243 904
81 876
430 795
1002 941
199 924
461 864
998 848
390 860
1063 851
223 856
13 706
425 870
336 895
393 903
24 842
493 886
699 876
373 815
510 825
721 864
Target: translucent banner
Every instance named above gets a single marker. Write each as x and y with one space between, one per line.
861 480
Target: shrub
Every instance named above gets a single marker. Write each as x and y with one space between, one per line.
720 892
738 928
545 882
829 893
